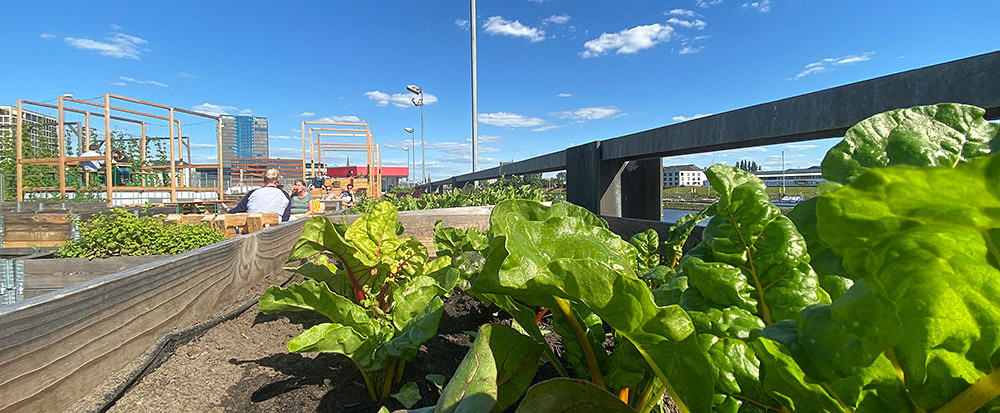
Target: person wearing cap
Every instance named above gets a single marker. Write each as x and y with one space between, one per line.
267 198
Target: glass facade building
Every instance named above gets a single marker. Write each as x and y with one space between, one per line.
243 136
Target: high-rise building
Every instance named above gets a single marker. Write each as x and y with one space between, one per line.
243 136
41 129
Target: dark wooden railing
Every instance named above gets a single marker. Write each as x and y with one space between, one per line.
622 176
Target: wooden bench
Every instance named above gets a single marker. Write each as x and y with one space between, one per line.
232 225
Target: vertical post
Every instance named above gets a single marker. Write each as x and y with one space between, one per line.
475 94
173 171
312 152
642 189
591 183
86 146
303 151
423 159
142 153
18 149
218 136
369 146
107 147
782 175
378 172
62 149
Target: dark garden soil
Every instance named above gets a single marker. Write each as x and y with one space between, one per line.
242 365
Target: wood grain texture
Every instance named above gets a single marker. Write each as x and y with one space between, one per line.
627 227
50 274
57 348
420 224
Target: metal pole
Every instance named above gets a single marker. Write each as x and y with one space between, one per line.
413 148
423 159
782 173
475 95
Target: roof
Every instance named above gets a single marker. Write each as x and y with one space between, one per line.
688 167
806 171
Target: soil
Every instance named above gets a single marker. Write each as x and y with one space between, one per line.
242 365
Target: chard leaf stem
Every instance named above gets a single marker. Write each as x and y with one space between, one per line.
581 336
976 396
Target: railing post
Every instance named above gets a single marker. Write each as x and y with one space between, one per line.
591 183
642 189
629 189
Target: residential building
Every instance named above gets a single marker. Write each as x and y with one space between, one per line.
683 175
41 129
244 137
811 176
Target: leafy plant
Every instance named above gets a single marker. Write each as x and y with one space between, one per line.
378 291
121 233
564 258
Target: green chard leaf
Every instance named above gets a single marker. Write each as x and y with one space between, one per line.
922 247
750 270
647 245
681 230
494 373
540 252
944 134
563 395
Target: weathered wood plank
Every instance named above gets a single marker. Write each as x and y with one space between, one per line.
627 227
36 236
56 349
50 274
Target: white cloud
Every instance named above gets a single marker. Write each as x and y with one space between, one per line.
690 49
118 45
115 27
126 79
628 41
557 19
203 146
307 114
681 12
830 62
697 24
681 118
47 36
344 119
762 6
591 113
462 24
285 137
215 110
498 26
186 75
564 95
800 147
487 138
455 148
401 100
118 83
707 3
548 128
509 120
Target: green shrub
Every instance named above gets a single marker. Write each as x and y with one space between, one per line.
120 233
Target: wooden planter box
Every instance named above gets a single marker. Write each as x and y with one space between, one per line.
69 344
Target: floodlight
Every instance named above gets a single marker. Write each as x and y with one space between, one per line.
414 89
408 130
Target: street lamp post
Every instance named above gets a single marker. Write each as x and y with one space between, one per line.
407 150
419 101
413 147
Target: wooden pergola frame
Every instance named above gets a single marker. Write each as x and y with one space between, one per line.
343 129
63 161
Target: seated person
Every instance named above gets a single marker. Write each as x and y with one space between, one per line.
92 166
327 194
267 198
123 169
347 196
301 200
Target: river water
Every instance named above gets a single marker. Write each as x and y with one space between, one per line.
672 215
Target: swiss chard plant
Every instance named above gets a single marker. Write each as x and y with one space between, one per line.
378 291
564 258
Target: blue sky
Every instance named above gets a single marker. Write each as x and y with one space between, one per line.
552 73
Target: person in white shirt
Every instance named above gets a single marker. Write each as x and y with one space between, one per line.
267 198
92 166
